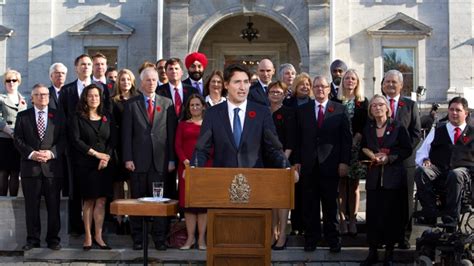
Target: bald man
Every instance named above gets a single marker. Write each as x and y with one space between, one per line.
259 90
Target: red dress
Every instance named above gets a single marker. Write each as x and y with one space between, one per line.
187 135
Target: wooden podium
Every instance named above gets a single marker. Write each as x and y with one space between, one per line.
239 203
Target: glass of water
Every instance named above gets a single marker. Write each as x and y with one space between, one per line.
157 190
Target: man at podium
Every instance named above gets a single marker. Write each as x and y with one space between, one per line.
241 132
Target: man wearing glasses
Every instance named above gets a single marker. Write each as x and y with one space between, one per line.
40 139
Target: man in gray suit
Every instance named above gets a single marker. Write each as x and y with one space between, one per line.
148 130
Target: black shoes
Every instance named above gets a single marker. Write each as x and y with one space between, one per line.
29 246
104 247
335 248
54 246
87 248
275 247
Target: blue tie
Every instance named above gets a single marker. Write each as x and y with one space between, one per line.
237 127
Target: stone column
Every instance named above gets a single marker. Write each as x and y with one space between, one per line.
177 27
39 42
461 68
319 40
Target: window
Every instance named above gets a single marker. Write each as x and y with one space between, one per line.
110 53
403 60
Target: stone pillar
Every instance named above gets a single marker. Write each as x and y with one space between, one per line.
177 27
39 42
319 40
461 53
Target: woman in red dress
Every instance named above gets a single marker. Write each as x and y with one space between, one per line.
186 137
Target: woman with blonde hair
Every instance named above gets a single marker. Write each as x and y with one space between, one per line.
11 104
351 94
302 91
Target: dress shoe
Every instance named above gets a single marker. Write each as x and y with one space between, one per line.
186 247
404 244
87 248
335 248
281 247
371 259
54 246
104 247
160 246
137 246
202 247
29 246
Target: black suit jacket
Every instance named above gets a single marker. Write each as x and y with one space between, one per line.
258 95
27 140
83 136
148 144
396 142
285 124
329 145
409 117
189 82
359 120
53 98
216 134
164 90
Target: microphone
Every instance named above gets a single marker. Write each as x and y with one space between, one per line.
200 145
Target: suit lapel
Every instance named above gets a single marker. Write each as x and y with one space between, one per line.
225 117
142 108
157 117
32 118
249 123
330 108
50 127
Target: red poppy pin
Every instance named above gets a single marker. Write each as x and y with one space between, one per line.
252 114
401 104
279 117
330 109
158 109
104 119
110 86
358 104
465 139
51 115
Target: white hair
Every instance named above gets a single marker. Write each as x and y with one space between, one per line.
395 73
57 65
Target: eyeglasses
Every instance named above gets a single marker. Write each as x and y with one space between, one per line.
276 93
320 86
11 80
41 94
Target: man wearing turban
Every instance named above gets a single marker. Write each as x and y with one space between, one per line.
338 67
195 63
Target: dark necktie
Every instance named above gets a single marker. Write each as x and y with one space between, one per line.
41 125
196 85
177 102
150 110
237 127
320 116
392 107
265 89
457 134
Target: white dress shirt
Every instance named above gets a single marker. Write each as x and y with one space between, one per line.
81 84
395 104
231 107
316 107
208 100
423 153
180 92
102 80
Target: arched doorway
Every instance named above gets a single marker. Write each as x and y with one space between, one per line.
223 44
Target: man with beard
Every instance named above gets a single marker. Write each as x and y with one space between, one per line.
160 67
338 68
196 64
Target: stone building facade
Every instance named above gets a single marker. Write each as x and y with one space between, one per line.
433 37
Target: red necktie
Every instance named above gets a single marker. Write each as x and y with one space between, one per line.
457 134
320 116
392 107
150 110
177 102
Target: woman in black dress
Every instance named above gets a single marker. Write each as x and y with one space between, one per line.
386 144
92 134
124 90
285 124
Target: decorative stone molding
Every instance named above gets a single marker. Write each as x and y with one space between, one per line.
5 32
101 24
400 25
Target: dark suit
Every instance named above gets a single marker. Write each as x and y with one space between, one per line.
320 151
409 117
41 178
53 98
334 91
216 133
151 148
258 95
190 82
385 184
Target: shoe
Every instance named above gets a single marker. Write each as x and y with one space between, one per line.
54 246
29 246
343 227
137 246
371 259
186 247
404 244
430 221
104 247
160 246
335 248
309 247
352 228
202 247
281 247
87 248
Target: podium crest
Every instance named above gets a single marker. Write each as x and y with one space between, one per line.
239 190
